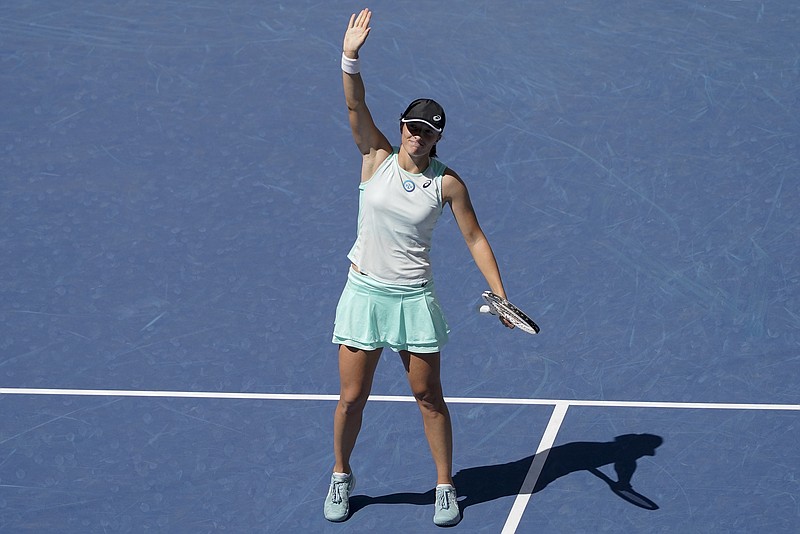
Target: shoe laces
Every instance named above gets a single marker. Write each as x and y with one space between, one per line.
336 490
443 499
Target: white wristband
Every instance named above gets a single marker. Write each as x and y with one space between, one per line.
350 66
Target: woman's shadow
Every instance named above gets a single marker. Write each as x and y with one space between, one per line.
477 485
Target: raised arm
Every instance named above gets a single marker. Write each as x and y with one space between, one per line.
372 144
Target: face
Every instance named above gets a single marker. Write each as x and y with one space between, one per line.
418 138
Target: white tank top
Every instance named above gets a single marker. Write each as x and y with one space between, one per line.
397 212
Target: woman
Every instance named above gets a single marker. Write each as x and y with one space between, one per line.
389 299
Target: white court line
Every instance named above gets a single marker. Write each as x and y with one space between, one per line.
525 492
548 439
397 398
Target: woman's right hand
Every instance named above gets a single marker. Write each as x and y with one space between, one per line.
356 34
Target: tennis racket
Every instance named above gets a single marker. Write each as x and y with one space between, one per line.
497 305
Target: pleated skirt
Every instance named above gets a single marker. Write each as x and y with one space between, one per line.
372 315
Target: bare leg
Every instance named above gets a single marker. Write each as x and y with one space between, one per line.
356 371
424 377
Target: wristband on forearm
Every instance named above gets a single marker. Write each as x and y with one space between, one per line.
350 66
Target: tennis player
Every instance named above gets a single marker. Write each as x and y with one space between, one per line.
389 300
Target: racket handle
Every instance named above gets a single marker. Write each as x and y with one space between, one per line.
485 309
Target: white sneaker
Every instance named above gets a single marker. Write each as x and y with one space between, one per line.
446 513
337 503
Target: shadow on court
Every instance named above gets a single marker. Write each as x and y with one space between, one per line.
486 483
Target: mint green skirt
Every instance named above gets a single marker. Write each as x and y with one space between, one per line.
372 315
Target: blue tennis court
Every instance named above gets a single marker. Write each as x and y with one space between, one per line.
179 194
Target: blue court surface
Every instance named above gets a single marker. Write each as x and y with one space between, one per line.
179 192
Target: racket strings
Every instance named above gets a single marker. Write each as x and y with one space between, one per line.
517 321
513 315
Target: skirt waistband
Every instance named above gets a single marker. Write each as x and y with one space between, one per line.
366 281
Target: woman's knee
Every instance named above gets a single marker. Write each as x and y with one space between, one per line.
353 397
352 403
430 399
356 371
